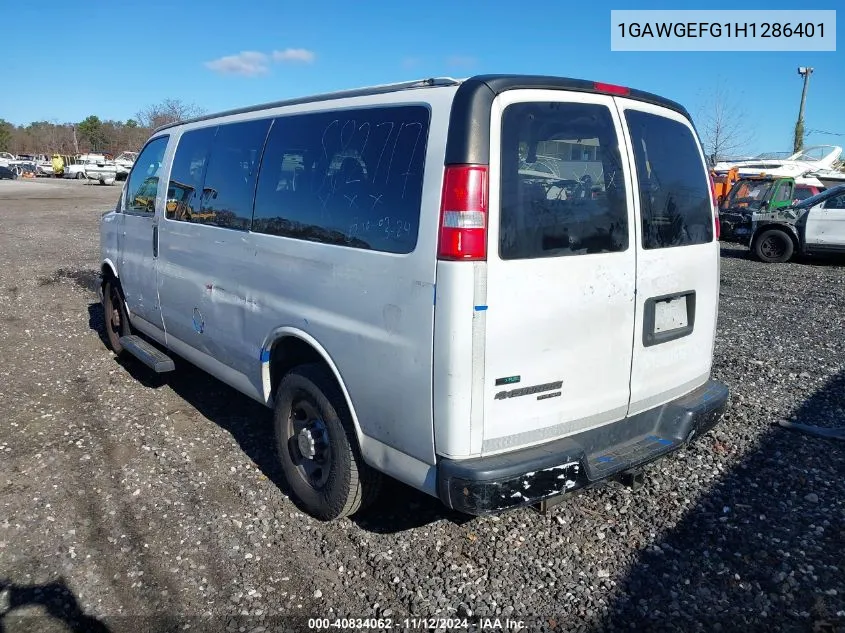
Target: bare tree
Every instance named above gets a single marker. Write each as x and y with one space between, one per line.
725 129
93 134
168 111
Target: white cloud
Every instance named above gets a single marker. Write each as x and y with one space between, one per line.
301 55
246 63
461 61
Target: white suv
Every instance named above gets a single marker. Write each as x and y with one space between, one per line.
495 290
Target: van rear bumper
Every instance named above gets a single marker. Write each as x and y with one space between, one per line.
487 485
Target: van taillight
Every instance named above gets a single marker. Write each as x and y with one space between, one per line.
713 191
463 213
714 200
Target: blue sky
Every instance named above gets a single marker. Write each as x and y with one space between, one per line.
70 61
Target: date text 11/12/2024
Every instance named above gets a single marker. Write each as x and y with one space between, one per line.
449 624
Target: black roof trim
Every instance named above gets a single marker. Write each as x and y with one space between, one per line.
469 122
431 82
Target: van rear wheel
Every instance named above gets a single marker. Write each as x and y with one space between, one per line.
318 448
773 247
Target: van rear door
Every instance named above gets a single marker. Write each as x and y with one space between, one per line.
561 268
677 256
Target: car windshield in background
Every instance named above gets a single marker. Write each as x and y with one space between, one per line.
749 193
773 155
563 191
815 153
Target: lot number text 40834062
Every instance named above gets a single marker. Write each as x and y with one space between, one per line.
426 624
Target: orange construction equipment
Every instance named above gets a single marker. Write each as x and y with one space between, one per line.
723 183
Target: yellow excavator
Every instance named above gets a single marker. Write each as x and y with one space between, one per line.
58 165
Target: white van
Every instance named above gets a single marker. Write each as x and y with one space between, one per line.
495 290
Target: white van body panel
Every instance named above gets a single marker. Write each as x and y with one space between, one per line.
129 238
223 292
138 267
213 366
109 229
662 372
567 319
151 330
457 428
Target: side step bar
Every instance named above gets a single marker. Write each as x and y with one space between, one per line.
147 353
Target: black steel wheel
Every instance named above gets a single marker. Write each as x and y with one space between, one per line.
318 448
773 247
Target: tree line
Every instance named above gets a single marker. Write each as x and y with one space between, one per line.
93 134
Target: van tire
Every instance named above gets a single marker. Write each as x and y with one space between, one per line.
115 315
773 247
309 396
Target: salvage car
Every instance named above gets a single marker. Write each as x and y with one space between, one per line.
815 226
403 277
92 167
123 164
758 194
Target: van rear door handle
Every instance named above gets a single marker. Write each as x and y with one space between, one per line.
155 240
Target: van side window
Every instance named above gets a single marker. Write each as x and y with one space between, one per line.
562 186
187 173
674 192
142 188
229 184
349 177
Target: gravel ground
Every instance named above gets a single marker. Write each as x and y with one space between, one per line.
131 504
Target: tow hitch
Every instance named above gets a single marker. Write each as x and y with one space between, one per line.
632 479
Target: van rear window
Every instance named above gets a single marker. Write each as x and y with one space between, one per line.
562 186
675 201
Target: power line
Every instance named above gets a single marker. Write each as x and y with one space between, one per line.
825 133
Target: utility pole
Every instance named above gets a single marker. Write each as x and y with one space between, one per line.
798 143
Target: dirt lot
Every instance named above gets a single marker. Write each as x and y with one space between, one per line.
129 504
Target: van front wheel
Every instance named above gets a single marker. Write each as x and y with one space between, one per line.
115 316
317 446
